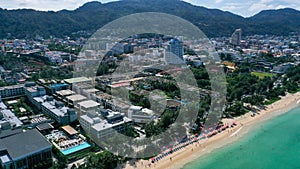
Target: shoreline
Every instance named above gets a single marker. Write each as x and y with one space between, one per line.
245 124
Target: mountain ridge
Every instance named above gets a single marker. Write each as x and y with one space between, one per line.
93 15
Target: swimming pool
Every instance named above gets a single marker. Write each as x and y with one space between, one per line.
59 85
76 148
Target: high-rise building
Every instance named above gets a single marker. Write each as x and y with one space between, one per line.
236 37
173 49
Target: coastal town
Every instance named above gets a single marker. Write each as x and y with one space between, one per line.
61 118
94 99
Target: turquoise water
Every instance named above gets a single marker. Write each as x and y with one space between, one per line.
58 85
76 148
272 145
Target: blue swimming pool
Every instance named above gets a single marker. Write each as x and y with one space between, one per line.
59 85
76 148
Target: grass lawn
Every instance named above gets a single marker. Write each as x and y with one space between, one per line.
262 75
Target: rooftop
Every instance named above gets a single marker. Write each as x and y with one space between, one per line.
103 124
57 111
11 118
92 90
70 130
105 96
65 92
44 126
77 80
88 104
23 144
76 97
12 87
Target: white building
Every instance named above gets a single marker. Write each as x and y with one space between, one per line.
104 123
140 115
87 106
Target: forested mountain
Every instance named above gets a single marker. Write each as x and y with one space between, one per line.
91 16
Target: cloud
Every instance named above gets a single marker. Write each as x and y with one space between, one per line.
261 5
281 7
43 5
218 1
230 7
244 8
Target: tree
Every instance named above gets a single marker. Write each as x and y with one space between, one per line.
102 160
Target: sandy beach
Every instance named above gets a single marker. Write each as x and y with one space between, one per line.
244 123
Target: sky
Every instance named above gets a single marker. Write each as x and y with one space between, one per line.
244 8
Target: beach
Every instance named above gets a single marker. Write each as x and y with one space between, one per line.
244 125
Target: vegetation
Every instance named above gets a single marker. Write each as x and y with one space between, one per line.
91 16
64 48
262 75
102 160
62 160
168 118
292 79
52 73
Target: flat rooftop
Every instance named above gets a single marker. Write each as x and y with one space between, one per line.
70 130
77 80
12 87
24 144
122 84
103 125
44 126
65 92
76 97
105 96
92 90
9 116
57 111
88 104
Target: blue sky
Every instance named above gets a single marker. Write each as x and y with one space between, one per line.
242 7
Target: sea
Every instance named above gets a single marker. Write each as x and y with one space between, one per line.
275 144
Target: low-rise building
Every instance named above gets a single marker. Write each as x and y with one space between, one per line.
140 115
57 111
74 99
12 91
104 123
78 80
34 94
61 95
87 106
8 120
25 150
49 106
113 103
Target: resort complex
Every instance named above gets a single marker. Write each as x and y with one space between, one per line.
158 84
